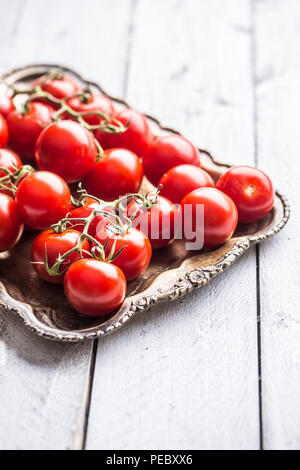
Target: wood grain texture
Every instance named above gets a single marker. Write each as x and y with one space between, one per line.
44 386
185 375
277 38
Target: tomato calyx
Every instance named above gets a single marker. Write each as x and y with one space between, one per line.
10 181
147 200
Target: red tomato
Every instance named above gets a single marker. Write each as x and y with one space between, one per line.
10 161
165 153
98 223
117 173
43 199
6 105
3 132
136 254
11 226
136 138
220 216
67 149
96 102
158 223
181 180
59 88
250 189
24 130
95 288
55 244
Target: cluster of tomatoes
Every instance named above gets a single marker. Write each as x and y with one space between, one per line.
96 241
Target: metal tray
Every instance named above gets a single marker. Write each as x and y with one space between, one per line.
173 272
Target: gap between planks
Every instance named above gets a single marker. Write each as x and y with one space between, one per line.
257 252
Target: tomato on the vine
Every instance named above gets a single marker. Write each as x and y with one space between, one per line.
165 153
251 190
42 198
220 216
159 222
137 136
181 180
95 288
10 161
118 172
90 103
6 105
60 87
67 149
54 245
24 129
3 131
11 225
136 250
84 211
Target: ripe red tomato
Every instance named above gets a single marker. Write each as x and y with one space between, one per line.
11 226
136 138
117 173
3 132
60 88
165 153
24 130
96 102
94 288
55 244
159 223
220 216
67 149
136 254
6 105
251 190
181 180
42 198
11 162
98 223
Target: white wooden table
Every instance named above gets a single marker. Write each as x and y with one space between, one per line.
219 369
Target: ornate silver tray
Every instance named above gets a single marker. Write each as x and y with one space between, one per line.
172 273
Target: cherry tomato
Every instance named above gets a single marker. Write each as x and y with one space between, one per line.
165 153
60 88
117 173
11 226
42 198
95 102
67 149
158 223
136 254
95 288
6 105
11 162
3 132
251 190
136 138
24 130
97 224
55 244
219 217
181 180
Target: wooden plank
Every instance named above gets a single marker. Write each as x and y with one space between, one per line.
277 38
184 375
44 386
